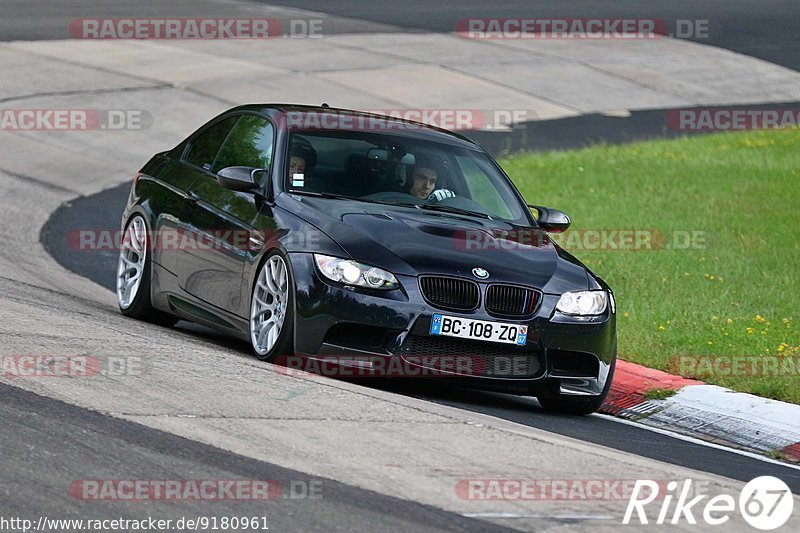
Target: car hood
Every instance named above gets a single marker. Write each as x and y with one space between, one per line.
415 241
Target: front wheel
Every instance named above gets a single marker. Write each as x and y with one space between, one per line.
133 276
272 309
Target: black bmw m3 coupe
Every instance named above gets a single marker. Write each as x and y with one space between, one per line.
365 241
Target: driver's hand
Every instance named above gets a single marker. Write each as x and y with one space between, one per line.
440 194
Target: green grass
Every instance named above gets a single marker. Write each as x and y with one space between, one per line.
659 394
735 294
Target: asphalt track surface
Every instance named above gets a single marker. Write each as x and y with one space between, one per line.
762 30
766 30
102 212
64 440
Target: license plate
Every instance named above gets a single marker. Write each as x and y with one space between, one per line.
479 330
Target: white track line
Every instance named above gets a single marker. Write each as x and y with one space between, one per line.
701 442
557 517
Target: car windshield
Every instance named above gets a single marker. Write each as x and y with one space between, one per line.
400 170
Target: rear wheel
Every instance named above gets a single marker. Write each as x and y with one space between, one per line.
133 276
562 403
272 309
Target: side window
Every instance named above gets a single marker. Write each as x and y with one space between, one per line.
206 145
481 188
248 145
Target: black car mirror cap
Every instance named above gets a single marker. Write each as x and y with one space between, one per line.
551 220
242 179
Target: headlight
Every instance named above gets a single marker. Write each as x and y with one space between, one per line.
352 273
583 303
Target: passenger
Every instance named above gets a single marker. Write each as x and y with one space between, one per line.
297 165
302 158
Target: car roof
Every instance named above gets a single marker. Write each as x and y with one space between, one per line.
420 130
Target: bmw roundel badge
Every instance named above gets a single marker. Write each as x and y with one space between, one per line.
480 273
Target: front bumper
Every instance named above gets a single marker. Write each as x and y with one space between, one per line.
349 325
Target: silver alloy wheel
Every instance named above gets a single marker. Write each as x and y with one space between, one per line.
269 303
130 267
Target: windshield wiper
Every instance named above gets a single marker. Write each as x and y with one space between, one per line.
439 207
333 196
451 209
430 207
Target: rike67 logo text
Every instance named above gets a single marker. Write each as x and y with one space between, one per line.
765 503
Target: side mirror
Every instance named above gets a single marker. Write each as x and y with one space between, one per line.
239 178
550 219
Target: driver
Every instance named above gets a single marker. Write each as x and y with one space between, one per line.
423 182
423 185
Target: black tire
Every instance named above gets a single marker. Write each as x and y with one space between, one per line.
141 308
560 403
285 343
